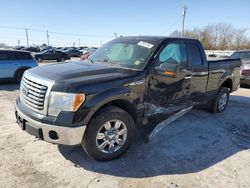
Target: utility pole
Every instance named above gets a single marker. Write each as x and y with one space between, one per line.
27 37
48 37
183 21
18 42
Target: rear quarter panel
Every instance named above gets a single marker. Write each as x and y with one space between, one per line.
8 68
220 71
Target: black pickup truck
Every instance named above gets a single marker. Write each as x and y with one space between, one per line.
99 102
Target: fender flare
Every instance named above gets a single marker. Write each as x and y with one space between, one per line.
225 79
108 96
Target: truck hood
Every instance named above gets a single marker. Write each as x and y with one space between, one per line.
75 73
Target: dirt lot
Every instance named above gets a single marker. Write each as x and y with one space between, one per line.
198 150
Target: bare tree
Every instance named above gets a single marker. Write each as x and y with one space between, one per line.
240 38
220 36
175 33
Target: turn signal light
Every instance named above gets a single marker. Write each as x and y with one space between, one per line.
79 99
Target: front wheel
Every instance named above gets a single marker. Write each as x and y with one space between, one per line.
62 59
109 134
219 103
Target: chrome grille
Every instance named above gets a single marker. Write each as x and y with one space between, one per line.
33 93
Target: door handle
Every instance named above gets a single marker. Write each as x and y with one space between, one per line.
188 77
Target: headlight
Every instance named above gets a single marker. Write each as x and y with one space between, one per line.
64 102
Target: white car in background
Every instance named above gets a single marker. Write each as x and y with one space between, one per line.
244 55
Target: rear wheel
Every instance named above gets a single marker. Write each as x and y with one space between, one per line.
109 134
219 103
62 59
19 76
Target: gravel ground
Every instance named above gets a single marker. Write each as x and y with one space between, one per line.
198 150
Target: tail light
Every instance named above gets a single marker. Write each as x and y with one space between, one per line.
245 72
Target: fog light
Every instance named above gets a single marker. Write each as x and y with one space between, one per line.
53 135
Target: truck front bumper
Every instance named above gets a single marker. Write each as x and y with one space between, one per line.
50 133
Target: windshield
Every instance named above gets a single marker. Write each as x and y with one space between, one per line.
131 54
241 55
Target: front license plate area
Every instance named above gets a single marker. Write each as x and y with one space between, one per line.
37 132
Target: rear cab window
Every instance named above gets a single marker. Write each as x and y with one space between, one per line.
194 55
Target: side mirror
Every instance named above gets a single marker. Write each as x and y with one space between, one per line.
167 69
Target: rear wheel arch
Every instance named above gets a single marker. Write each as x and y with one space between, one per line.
20 70
228 83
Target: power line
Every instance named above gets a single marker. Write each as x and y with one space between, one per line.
50 33
56 32
175 23
11 27
83 35
31 40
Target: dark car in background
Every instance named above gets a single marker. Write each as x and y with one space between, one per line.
51 55
44 48
13 63
244 55
73 52
31 49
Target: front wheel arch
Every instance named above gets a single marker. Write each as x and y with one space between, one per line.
119 97
120 103
22 69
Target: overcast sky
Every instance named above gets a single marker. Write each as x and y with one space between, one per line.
96 21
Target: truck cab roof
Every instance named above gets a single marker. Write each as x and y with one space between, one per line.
158 38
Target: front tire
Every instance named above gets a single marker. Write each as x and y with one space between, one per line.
109 134
219 103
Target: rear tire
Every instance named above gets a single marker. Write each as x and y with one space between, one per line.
109 134
62 59
219 103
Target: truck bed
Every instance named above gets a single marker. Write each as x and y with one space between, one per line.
225 62
221 69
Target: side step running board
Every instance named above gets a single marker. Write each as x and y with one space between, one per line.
166 122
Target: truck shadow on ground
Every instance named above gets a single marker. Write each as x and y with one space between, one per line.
8 86
193 143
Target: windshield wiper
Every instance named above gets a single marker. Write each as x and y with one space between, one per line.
91 60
